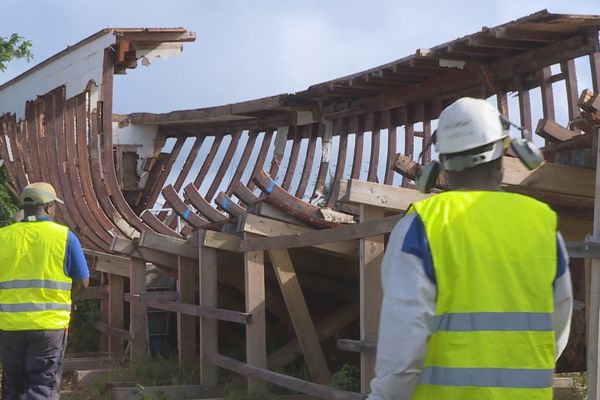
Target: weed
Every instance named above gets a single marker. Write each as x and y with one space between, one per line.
346 378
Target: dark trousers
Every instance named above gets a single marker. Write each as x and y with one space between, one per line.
32 364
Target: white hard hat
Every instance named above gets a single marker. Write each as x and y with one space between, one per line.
467 124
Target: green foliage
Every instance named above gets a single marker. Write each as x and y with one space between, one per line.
14 47
346 378
261 392
8 204
83 337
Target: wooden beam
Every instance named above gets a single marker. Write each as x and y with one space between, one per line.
168 244
357 346
266 210
300 316
116 286
256 335
286 381
222 241
194 310
325 329
382 196
262 226
129 247
208 285
550 177
138 392
550 130
186 324
120 334
314 238
593 322
371 293
138 312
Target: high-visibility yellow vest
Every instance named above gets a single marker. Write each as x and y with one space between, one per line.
35 292
495 261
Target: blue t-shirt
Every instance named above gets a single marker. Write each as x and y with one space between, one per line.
75 264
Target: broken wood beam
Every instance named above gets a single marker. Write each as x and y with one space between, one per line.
550 130
356 346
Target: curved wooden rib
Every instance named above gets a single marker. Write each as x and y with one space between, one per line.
153 222
281 199
182 209
110 173
245 195
308 162
391 148
262 156
237 176
189 161
192 196
326 133
358 147
293 161
208 160
235 139
281 139
340 166
153 188
229 205
375 144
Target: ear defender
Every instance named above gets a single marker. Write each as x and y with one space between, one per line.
529 154
426 177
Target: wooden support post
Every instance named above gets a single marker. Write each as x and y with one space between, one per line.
105 315
371 254
300 316
115 310
138 315
207 267
593 328
186 324
256 335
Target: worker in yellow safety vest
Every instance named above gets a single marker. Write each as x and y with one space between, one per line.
41 266
477 296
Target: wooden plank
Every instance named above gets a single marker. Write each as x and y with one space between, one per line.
116 286
256 335
593 323
358 148
300 316
371 293
382 196
152 296
289 382
186 324
341 161
552 131
88 363
525 111
126 246
550 177
138 313
195 310
356 346
114 267
114 333
222 241
262 226
266 210
325 329
568 69
314 238
208 339
180 247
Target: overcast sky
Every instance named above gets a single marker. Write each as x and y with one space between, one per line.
251 49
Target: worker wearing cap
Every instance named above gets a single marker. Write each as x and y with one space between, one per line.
41 266
477 293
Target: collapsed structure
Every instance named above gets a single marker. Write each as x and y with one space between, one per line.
204 193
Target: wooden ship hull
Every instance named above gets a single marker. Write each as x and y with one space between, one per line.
272 214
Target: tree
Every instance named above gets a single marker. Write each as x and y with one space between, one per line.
14 47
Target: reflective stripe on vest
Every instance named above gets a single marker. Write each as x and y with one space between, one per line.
35 293
494 257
